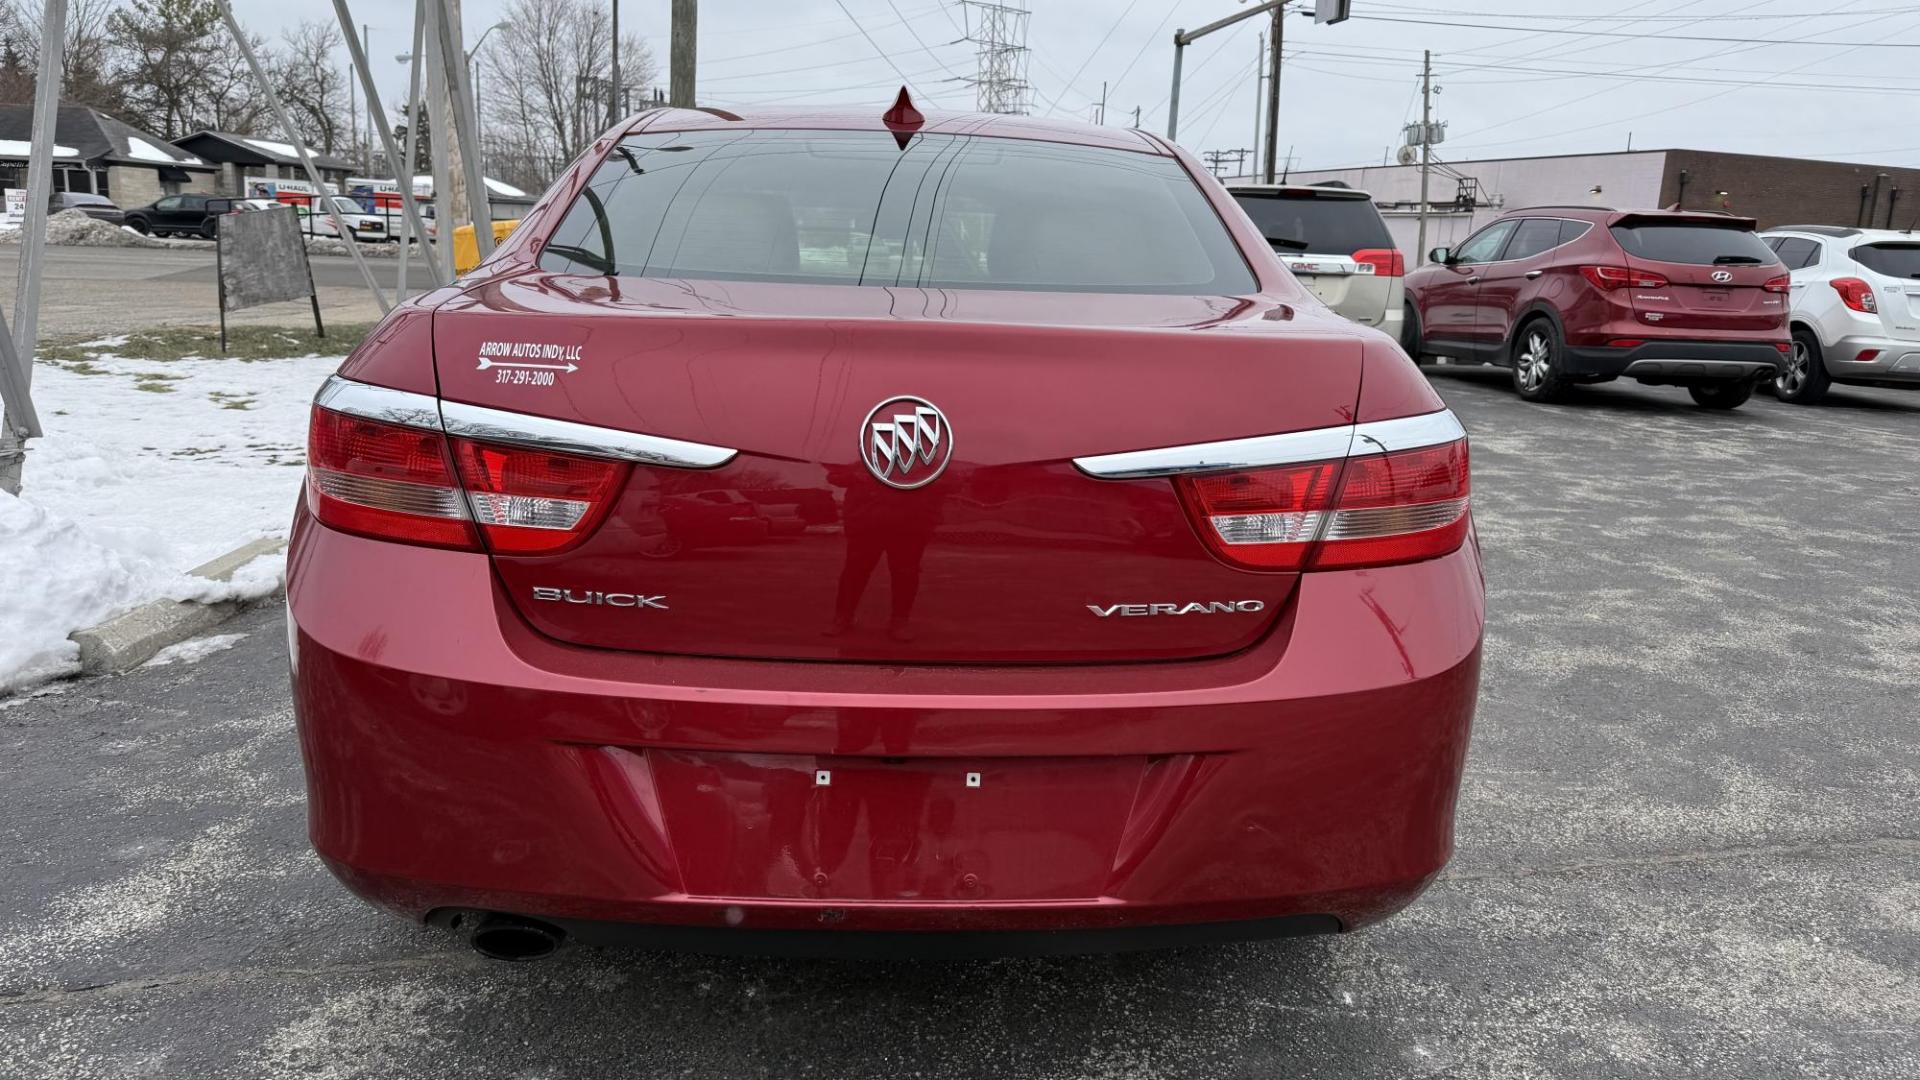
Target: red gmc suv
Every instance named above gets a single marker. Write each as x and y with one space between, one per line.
1578 294
1127 595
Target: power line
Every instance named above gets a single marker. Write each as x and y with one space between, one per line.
875 44
1643 68
806 44
1671 108
1096 49
922 44
1616 16
1644 37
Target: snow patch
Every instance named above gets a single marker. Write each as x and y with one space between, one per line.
141 150
271 147
58 577
131 488
19 148
186 652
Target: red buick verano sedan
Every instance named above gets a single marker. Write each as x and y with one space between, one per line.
815 532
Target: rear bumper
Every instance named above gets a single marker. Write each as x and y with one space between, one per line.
1680 362
1892 360
457 760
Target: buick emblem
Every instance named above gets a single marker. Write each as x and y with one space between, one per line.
906 442
1723 276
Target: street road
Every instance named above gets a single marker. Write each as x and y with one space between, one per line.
1689 840
90 290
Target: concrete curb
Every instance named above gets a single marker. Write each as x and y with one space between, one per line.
132 639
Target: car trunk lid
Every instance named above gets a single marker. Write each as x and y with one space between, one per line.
1716 272
795 550
1893 267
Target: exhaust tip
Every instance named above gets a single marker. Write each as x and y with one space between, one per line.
514 939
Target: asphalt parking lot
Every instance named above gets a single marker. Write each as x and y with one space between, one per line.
1689 838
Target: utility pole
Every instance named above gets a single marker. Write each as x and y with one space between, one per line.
682 53
1184 38
1426 150
1259 94
1273 88
614 107
367 161
440 150
21 421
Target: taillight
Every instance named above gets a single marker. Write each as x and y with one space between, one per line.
1386 262
394 482
535 502
1856 294
1375 510
1620 277
384 480
1780 284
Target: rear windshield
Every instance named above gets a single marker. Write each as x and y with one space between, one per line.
1702 244
1893 260
1317 224
855 208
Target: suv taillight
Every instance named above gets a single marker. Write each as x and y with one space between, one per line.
1377 510
1780 284
1620 277
1856 294
393 482
1386 262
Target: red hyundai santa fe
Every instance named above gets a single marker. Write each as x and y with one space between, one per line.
1565 295
819 532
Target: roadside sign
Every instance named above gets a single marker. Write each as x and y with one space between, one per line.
16 214
1332 11
261 258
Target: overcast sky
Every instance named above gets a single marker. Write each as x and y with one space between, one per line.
1509 87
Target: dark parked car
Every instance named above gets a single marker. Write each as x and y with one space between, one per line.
190 215
98 207
1582 294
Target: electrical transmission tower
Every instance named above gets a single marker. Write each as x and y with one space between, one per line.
999 35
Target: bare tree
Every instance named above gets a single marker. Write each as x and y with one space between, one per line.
162 49
312 84
545 84
89 56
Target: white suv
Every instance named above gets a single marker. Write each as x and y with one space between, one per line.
1336 243
1856 308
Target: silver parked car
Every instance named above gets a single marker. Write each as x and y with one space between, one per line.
97 207
1336 243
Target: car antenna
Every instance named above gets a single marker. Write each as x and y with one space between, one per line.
903 119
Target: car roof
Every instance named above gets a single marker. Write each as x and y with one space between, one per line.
836 118
1607 215
1864 236
1312 191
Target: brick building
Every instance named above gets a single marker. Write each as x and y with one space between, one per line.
98 153
1464 195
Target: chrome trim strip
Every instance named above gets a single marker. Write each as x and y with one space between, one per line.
566 436
379 403
519 429
1294 447
1407 433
